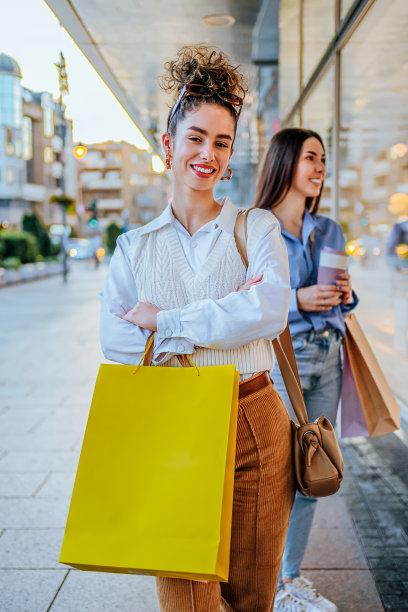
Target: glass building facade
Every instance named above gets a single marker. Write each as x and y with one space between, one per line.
10 100
344 73
11 111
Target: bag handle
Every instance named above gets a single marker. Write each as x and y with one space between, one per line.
283 346
185 360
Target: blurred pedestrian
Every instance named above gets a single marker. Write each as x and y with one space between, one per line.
398 239
290 185
181 276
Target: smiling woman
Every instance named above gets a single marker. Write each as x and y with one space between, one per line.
290 186
182 276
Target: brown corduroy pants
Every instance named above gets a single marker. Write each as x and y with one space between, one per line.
263 497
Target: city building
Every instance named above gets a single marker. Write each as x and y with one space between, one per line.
116 183
36 160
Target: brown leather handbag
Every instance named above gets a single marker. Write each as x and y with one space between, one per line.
318 462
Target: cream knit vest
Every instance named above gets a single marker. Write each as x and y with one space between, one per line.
163 277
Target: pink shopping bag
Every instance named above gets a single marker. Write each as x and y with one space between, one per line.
352 422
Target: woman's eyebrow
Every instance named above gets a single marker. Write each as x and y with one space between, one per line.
315 154
205 133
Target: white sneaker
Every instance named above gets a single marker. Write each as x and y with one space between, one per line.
303 589
287 602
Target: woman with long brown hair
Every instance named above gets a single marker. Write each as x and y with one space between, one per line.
181 276
290 186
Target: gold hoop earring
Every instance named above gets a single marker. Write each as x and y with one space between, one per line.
227 178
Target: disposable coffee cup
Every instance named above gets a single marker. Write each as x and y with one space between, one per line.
331 264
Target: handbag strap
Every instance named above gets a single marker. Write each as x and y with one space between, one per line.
283 346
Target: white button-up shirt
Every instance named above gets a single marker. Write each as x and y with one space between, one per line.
260 312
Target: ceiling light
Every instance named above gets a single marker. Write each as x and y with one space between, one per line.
218 20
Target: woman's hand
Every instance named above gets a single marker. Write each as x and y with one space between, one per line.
252 280
343 283
144 315
318 297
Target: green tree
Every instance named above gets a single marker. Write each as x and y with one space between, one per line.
33 224
22 245
2 248
66 201
112 232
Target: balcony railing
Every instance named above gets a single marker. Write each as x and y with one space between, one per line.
102 184
33 193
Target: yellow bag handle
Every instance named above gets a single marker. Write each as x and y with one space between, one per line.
144 357
185 360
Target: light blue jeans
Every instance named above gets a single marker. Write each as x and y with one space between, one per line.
318 358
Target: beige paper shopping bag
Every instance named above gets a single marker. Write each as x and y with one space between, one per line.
381 411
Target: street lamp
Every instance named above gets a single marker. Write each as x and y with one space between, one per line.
63 199
66 203
80 151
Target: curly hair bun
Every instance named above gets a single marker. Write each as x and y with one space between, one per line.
203 65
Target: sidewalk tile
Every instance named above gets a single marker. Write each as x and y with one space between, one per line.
20 484
31 548
332 512
33 441
347 589
21 422
58 485
55 461
100 592
33 513
29 590
330 548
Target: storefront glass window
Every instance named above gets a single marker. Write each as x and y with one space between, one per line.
317 115
318 30
374 177
288 55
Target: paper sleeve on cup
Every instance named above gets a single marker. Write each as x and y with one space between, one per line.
331 264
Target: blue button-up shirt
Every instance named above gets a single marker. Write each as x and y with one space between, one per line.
303 272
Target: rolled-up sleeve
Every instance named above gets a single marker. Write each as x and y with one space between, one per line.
122 341
241 316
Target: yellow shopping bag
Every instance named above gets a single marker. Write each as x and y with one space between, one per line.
153 490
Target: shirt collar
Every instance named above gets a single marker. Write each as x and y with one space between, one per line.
309 224
166 218
225 220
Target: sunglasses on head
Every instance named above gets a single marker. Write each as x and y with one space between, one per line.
192 89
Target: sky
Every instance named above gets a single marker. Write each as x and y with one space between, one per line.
31 34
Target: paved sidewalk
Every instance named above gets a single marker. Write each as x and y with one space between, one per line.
49 358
